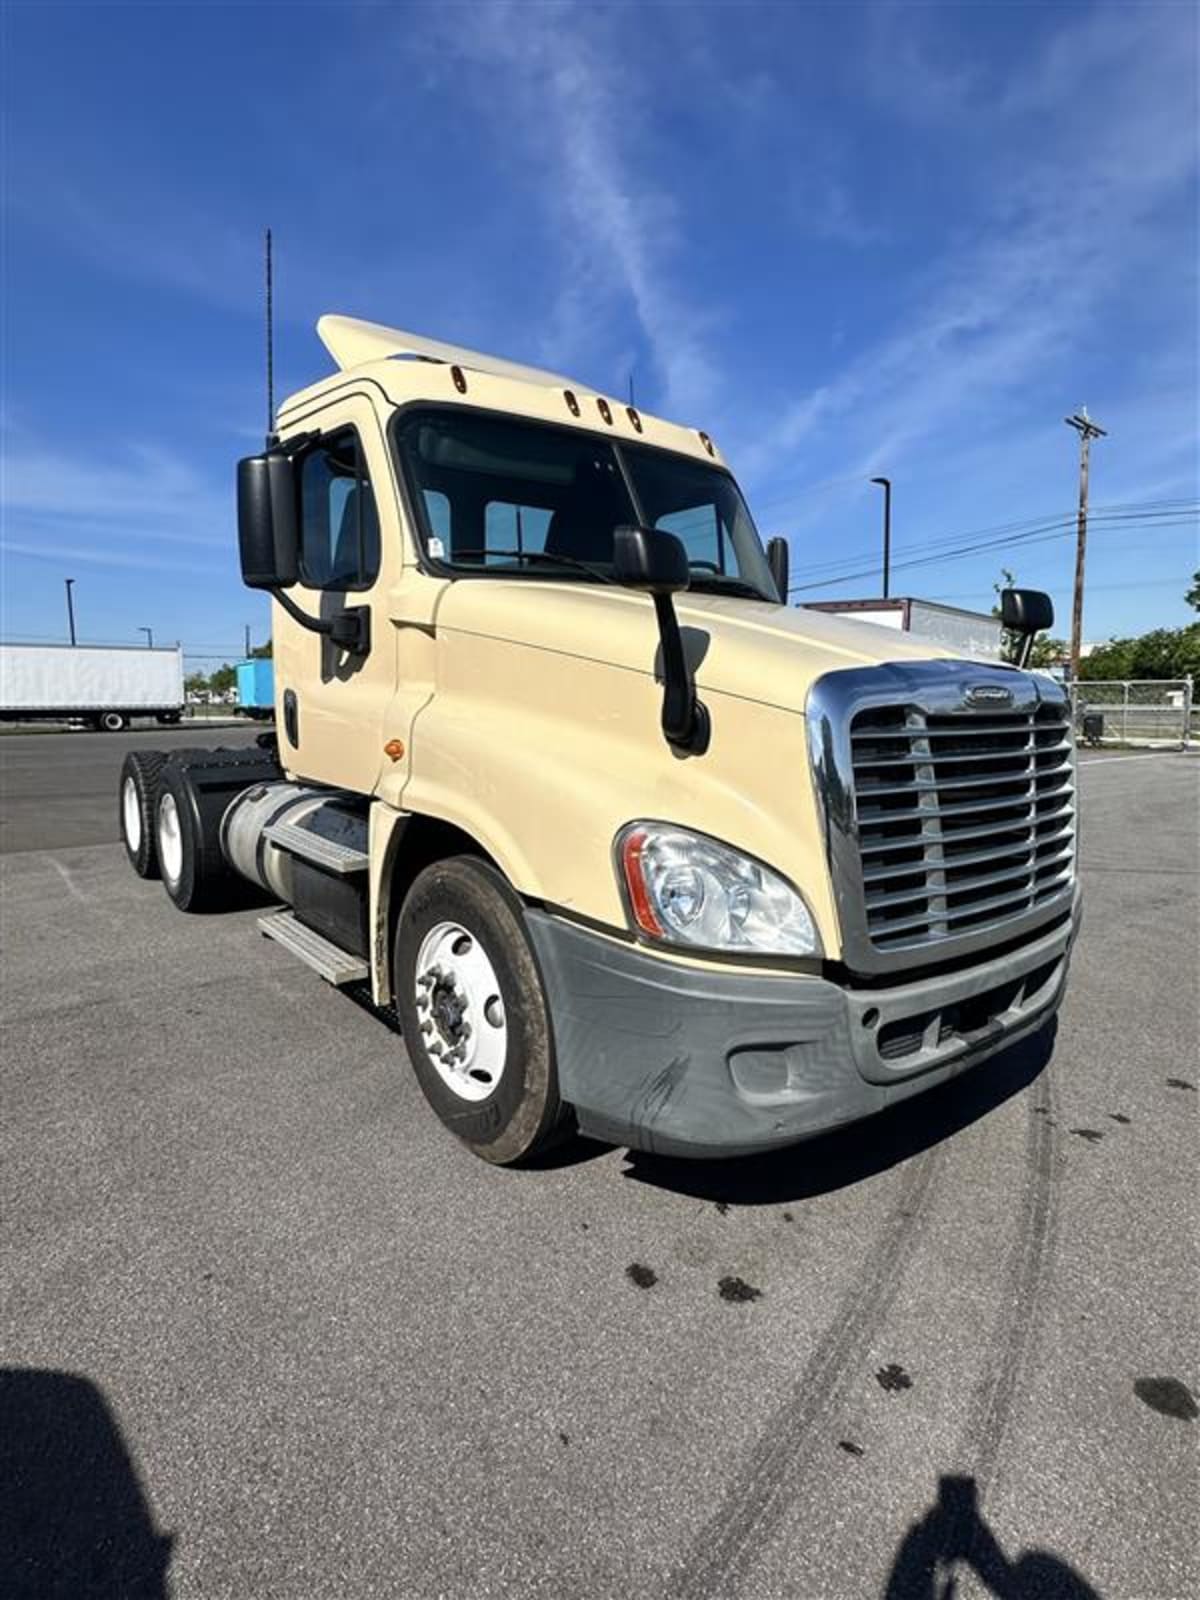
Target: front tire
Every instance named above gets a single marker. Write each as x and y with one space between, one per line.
473 1012
137 807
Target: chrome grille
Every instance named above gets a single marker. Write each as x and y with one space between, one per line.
964 819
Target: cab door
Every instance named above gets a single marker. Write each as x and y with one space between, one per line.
331 703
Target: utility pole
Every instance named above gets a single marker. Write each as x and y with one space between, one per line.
1087 431
70 608
886 485
247 641
149 632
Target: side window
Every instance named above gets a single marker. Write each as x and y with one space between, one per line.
339 527
437 509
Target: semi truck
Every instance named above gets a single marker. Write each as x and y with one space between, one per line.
103 686
972 633
255 689
633 847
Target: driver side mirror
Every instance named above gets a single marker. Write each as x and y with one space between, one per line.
268 536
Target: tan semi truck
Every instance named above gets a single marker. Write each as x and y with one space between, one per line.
632 845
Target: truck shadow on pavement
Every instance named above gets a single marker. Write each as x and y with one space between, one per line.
75 1524
861 1150
952 1535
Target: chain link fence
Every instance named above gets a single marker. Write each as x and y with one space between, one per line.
1153 712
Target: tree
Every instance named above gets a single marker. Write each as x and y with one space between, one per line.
1010 643
195 684
1193 595
1161 653
222 680
261 652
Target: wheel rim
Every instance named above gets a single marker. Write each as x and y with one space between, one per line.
112 722
131 814
170 839
463 1024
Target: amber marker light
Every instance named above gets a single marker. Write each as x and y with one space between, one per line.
639 900
394 749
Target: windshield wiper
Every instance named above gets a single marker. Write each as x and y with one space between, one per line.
720 584
569 562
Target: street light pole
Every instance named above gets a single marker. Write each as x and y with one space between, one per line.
70 608
886 484
149 637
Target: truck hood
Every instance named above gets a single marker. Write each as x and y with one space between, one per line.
751 649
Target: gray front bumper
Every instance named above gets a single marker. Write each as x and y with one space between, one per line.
694 1062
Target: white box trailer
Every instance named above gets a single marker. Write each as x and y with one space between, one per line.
104 685
973 633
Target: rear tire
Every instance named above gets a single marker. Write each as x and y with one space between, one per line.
187 822
137 807
112 721
473 1012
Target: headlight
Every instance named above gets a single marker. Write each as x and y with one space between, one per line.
686 889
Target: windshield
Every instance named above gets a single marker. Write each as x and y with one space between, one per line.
529 500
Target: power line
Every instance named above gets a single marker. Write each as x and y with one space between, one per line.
1141 511
1036 536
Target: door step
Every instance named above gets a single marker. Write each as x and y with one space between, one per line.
336 966
342 859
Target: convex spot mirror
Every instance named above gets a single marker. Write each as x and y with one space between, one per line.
267 532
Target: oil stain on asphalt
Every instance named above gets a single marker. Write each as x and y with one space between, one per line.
738 1290
893 1378
1167 1396
1092 1135
645 1277
1180 1083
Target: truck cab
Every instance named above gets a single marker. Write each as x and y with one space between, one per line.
632 845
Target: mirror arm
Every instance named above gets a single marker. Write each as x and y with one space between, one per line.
350 629
685 721
1026 649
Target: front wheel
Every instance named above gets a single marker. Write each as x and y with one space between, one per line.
473 1012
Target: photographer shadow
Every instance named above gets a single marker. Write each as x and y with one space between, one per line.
75 1523
953 1535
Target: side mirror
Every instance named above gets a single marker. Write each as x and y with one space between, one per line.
1026 612
657 563
778 558
650 559
267 531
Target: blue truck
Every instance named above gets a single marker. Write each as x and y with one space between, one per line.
256 689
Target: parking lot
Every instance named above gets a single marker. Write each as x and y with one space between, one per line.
268 1331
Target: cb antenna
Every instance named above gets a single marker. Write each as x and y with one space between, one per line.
270 284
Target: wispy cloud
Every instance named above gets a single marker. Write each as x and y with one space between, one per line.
150 496
563 77
1072 214
99 556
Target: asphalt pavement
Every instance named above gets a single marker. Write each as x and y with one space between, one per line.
266 1330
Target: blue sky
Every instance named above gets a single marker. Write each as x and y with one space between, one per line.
846 240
